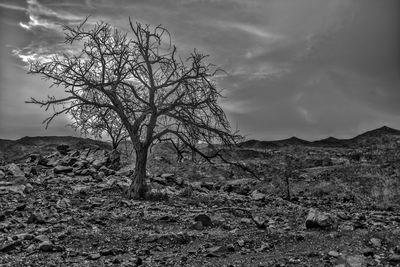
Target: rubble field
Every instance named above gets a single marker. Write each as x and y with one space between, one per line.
302 206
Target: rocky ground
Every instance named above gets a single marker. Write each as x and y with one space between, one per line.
64 208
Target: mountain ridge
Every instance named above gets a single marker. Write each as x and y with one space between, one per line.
325 142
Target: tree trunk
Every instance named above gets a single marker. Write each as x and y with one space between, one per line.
138 187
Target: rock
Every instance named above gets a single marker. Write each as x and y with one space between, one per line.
376 242
30 170
94 256
230 247
334 253
106 171
34 158
63 149
239 186
19 189
207 185
394 258
25 236
197 226
260 222
42 238
111 252
240 242
64 203
15 170
368 252
320 220
9 246
344 216
47 246
2 174
355 261
159 180
81 164
69 161
62 169
216 251
36 218
97 158
204 219
257 195
167 175
80 189
85 172
264 246
179 181
245 220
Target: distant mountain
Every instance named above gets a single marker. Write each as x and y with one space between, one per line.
331 142
378 132
367 138
15 150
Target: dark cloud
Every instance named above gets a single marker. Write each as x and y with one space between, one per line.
308 68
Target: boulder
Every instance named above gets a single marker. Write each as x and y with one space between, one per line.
62 169
97 158
394 258
159 180
204 219
34 158
47 246
64 203
15 170
41 238
36 219
217 251
256 195
107 171
167 175
320 220
63 149
197 226
376 242
179 181
9 246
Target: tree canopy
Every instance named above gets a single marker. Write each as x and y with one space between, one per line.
139 78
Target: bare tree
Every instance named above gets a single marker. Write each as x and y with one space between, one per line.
96 122
138 76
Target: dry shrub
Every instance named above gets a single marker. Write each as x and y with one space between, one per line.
157 196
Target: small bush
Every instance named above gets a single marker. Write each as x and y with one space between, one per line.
157 196
324 189
187 192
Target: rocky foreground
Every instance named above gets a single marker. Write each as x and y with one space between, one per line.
65 209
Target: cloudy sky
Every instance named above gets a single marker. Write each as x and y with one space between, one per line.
306 68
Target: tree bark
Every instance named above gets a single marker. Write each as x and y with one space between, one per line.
138 187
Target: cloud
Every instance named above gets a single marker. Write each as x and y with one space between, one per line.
253 30
12 7
42 16
306 67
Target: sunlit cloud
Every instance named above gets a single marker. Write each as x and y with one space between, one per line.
35 21
12 7
42 16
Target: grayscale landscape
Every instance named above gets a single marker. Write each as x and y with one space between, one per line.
200 133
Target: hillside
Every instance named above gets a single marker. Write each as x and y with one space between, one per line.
373 137
304 204
16 150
